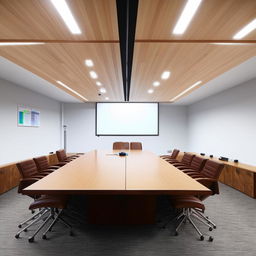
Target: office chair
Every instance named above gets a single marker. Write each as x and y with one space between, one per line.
28 169
174 155
192 207
42 164
121 146
196 164
211 169
62 156
135 145
186 160
50 207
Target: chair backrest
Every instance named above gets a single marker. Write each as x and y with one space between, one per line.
61 155
212 169
120 145
41 163
27 168
175 153
187 159
136 145
198 163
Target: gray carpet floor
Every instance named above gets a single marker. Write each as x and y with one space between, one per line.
234 213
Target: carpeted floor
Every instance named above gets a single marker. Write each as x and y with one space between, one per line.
234 213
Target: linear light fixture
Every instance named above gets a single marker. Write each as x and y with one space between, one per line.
186 16
88 63
19 43
65 13
245 30
185 91
93 75
165 75
67 87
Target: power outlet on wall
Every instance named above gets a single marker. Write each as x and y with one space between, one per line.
169 151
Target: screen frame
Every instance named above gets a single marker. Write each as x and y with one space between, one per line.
98 135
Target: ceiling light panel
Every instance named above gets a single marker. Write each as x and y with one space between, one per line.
245 30
65 13
156 84
150 91
186 16
165 75
93 75
89 63
103 90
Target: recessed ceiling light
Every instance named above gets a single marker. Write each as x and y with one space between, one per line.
165 75
103 90
89 63
67 87
245 30
99 83
19 43
65 13
93 75
150 91
186 16
185 91
156 83
107 98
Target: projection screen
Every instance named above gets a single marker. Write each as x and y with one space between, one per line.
127 119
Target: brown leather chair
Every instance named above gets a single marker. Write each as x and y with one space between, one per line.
174 155
136 145
192 207
211 169
28 169
186 160
50 207
121 146
62 156
197 164
42 164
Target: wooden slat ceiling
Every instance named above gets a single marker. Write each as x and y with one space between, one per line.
62 57
189 63
53 61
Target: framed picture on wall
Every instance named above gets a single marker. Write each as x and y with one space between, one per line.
28 117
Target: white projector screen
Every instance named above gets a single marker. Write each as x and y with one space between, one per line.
127 119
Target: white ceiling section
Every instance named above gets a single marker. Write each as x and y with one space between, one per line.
20 76
237 75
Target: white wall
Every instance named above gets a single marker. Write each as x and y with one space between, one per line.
225 124
80 121
19 143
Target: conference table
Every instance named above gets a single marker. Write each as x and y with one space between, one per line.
118 189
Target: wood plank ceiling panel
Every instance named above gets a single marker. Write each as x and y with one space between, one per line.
214 20
188 64
38 19
65 62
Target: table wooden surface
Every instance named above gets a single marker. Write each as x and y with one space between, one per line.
102 172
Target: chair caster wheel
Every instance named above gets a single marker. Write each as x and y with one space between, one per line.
25 230
31 239
71 233
210 239
176 233
44 237
20 226
202 238
163 227
210 229
17 236
214 227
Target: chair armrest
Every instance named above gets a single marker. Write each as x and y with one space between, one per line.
210 183
26 182
54 167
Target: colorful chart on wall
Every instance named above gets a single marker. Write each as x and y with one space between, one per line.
28 117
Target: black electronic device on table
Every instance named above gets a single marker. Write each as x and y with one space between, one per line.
122 154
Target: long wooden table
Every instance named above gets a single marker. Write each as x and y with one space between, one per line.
118 186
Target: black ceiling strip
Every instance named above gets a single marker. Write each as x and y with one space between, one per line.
127 16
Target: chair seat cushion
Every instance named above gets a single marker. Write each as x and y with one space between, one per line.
44 201
187 202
